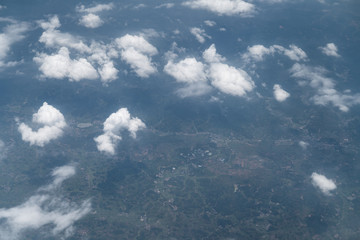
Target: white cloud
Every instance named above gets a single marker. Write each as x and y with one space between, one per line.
330 50
198 76
223 7
166 5
210 23
199 34
280 94
108 72
60 65
137 52
258 52
91 21
324 184
113 125
52 122
303 144
45 208
324 86
11 34
97 8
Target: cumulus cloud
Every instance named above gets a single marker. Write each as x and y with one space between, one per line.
223 7
258 52
137 51
60 65
45 208
330 50
199 76
90 19
324 184
210 23
12 33
52 124
280 94
199 34
324 86
91 62
113 126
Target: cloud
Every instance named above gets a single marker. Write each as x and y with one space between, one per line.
166 5
210 23
137 52
198 76
60 65
280 94
258 52
324 184
92 20
223 7
12 33
303 144
93 61
199 34
324 86
113 125
52 122
2 150
330 50
45 208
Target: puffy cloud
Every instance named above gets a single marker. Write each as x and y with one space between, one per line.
92 20
198 75
11 34
113 125
258 52
60 66
108 72
210 23
199 34
324 86
324 184
223 7
280 94
137 52
45 208
52 122
330 50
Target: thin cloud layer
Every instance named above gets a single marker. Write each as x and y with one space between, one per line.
198 76
2 150
223 7
280 94
258 52
137 51
113 126
325 87
52 124
12 33
330 50
45 208
324 184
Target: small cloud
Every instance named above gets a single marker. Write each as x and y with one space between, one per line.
199 34
52 122
210 23
222 29
280 94
91 21
137 52
2 150
330 50
303 144
97 8
113 125
225 7
45 208
166 5
324 184
141 5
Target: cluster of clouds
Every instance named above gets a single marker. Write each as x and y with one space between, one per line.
76 60
113 126
44 209
223 7
12 33
90 17
324 184
52 124
324 86
257 53
199 77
